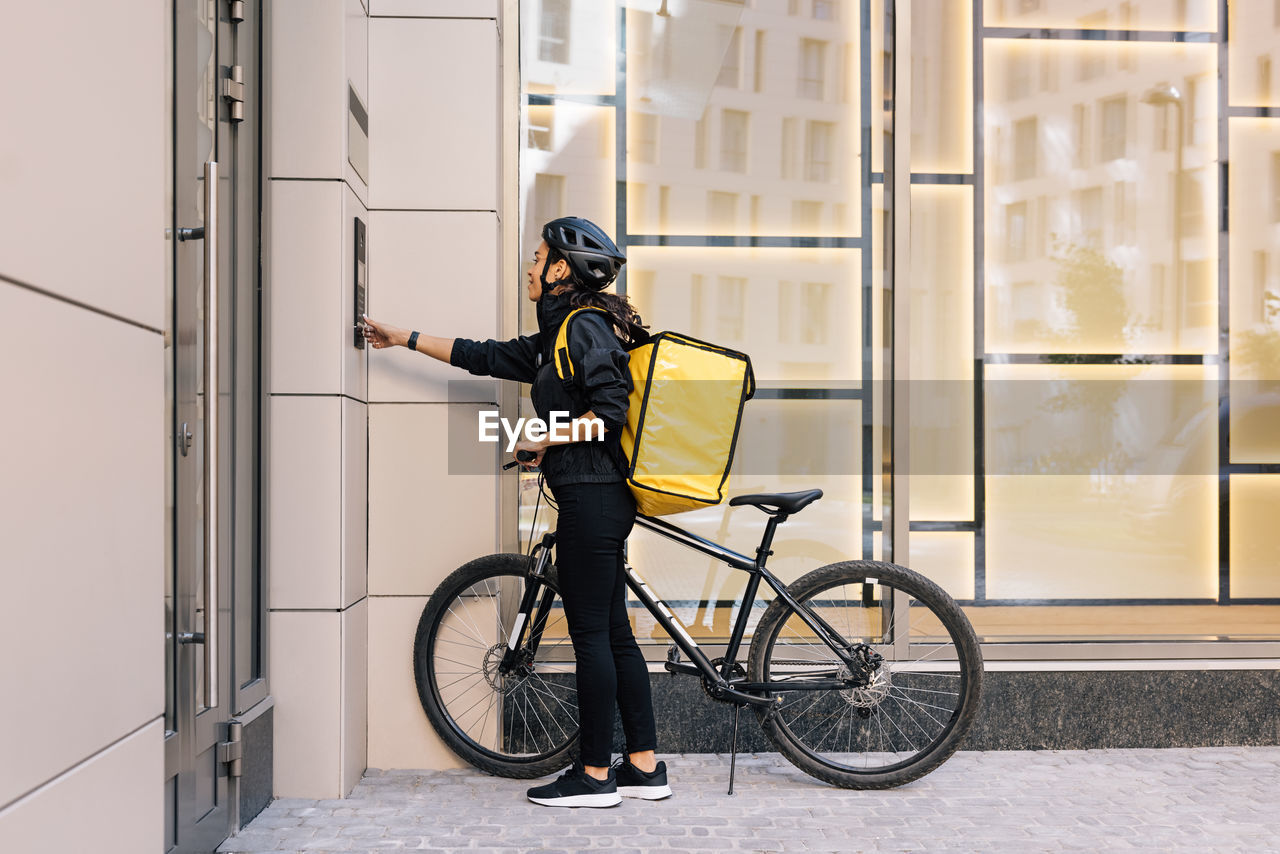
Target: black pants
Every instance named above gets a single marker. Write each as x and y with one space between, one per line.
594 520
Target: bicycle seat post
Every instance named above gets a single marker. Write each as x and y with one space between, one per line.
764 550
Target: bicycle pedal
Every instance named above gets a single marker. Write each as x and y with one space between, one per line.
673 658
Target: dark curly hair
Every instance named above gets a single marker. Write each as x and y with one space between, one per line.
626 320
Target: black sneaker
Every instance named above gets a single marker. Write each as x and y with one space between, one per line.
634 783
576 788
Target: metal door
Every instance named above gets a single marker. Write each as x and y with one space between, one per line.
213 411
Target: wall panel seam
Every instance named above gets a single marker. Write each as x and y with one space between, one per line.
18 283
32 792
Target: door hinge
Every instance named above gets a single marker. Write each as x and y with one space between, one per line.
233 92
231 750
236 11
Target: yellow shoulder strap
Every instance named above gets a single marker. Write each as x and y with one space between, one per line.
564 365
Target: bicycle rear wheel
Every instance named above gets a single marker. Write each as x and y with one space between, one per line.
521 724
920 695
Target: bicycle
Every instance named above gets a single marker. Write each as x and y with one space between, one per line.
863 674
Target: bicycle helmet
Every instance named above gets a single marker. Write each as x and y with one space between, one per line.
593 258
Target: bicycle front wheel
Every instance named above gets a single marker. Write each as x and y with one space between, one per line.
523 723
916 691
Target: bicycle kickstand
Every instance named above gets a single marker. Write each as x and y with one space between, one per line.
733 748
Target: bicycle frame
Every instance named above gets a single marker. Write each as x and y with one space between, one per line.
723 686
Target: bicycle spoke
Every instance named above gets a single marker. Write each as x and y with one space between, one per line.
910 698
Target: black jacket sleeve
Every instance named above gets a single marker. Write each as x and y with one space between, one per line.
600 368
516 359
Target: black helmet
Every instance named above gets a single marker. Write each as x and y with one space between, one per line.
593 258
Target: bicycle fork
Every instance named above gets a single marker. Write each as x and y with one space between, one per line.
514 656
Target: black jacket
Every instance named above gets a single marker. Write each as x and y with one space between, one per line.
600 384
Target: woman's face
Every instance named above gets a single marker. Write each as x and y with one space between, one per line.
557 272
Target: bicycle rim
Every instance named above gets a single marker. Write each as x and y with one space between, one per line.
522 717
905 718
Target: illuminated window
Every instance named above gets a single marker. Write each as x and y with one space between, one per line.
1015 226
758 66
553 32
731 303
548 197
642 128
540 126
806 216
788 166
818 151
816 312
700 143
1114 137
1088 215
813 55
1080 135
1026 143
1264 79
1275 186
731 67
824 10
733 141
722 211
1018 75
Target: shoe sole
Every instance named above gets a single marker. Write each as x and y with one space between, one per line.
646 793
610 799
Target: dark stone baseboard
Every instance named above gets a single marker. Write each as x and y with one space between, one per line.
1035 710
256 766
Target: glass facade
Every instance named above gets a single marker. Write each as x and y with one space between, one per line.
1092 307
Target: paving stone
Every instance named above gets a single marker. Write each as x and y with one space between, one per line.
1213 800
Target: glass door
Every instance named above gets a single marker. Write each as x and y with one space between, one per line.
213 417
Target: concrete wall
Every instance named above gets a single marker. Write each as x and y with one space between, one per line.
82 283
356 432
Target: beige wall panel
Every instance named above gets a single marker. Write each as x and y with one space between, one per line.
306 680
434 272
110 804
305 503
355 501
82 499
433 96
400 736
84 173
424 522
312 290
314 50
437 8
355 694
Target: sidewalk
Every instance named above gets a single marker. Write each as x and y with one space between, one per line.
1201 800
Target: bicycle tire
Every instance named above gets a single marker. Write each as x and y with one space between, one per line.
456 620
933 698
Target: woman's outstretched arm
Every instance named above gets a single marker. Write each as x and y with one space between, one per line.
381 335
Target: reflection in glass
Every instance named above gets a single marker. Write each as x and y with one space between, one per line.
1255 538
1255 290
1071 265
752 103
568 46
941 355
941 86
795 311
1253 53
1101 481
1103 14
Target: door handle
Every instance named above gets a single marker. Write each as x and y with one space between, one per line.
211 434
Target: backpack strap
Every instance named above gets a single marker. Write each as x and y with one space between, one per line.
564 364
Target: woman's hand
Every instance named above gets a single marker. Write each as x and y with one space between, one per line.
381 335
537 448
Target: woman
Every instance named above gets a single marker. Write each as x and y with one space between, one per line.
573 264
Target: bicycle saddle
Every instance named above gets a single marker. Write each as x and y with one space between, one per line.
786 502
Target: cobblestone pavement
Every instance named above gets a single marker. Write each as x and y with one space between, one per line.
1202 800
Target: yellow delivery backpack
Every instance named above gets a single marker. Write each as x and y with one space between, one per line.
683 416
